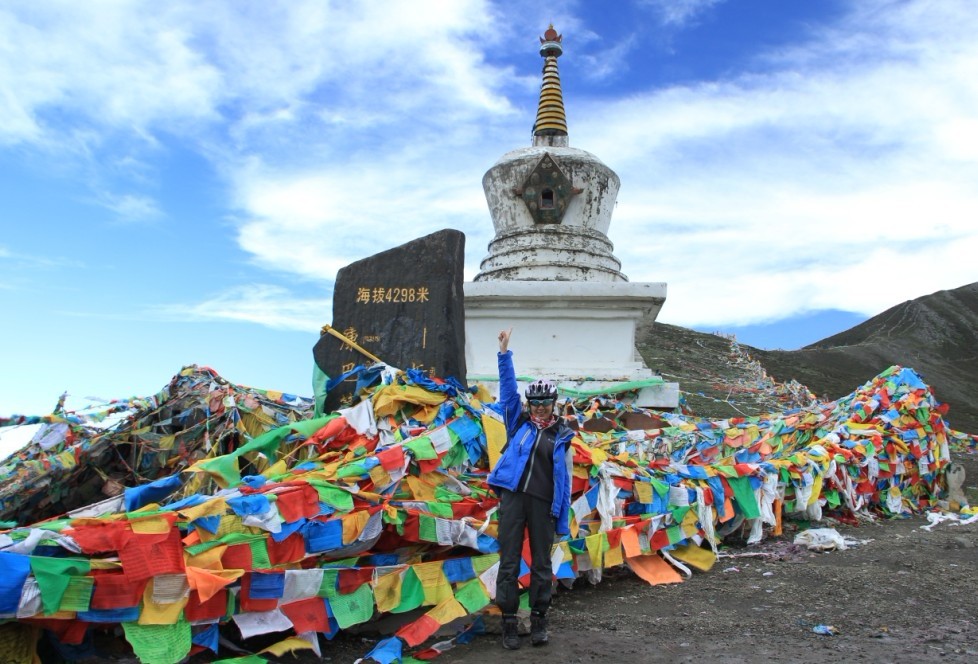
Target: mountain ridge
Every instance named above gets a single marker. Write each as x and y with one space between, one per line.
936 335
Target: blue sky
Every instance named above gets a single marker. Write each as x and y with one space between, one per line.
181 182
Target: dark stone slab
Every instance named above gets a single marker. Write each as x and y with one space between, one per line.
405 306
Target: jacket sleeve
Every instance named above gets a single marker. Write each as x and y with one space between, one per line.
562 484
509 394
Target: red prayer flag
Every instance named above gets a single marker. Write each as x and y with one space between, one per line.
237 556
307 615
113 590
417 632
212 609
291 549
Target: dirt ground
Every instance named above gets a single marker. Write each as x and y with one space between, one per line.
905 595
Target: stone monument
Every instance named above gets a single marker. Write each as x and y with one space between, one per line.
403 306
551 274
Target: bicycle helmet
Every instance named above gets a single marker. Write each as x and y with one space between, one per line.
541 389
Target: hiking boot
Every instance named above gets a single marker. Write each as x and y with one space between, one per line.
538 630
511 634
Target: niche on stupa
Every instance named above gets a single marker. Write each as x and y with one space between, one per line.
547 191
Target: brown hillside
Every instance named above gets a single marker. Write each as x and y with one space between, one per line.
936 335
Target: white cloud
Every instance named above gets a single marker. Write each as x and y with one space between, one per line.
130 208
839 172
271 306
679 13
843 177
829 178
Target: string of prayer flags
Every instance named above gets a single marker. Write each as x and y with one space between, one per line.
317 525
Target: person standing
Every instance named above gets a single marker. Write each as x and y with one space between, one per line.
532 479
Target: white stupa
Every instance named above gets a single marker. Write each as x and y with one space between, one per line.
551 274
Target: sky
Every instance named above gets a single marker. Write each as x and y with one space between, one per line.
181 181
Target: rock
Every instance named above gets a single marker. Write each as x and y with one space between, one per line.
405 306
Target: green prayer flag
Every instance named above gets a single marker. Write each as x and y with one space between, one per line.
660 487
422 448
744 495
319 381
353 608
440 509
675 534
333 496
328 587
53 576
196 549
159 644
354 469
225 467
446 496
679 513
259 554
481 563
472 595
427 528
269 442
78 594
456 456
725 471
412 593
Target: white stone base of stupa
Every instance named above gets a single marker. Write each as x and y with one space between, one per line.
576 333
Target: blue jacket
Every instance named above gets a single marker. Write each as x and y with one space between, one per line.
520 433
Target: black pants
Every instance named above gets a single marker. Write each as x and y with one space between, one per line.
516 512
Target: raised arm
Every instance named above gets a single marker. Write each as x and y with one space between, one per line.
504 336
509 395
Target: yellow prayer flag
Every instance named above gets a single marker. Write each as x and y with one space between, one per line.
353 525
434 583
420 490
447 611
688 524
379 476
612 557
67 459
206 508
387 591
277 468
230 523
210 559
816 489
159 614
150 525
495 432
594 545
643 492
290 644
696 556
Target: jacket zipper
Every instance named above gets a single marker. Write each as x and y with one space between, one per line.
533 450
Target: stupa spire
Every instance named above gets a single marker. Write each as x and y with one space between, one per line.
550 127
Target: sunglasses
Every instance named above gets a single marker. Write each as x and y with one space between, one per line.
541 402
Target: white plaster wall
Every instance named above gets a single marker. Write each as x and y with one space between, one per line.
567 329
591 209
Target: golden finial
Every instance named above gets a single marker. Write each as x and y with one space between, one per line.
551 120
